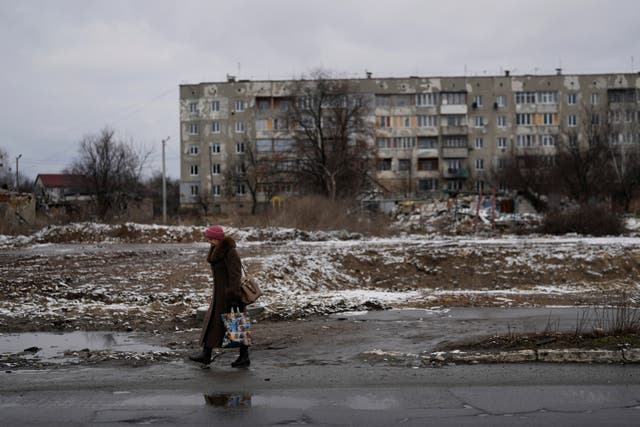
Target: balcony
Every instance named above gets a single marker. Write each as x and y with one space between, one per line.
454 130
455 173
453 109
429 153
455 153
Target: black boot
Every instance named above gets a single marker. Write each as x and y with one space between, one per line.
203 357
243 360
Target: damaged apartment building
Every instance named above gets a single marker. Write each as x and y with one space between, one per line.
434 135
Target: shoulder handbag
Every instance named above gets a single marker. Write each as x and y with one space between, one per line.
250 289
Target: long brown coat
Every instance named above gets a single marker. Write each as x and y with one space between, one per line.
227 274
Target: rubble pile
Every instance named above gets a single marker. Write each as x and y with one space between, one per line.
463 216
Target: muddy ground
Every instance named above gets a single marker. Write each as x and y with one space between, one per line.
157 288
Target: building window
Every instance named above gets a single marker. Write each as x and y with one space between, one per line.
193 170
502 142
193 107
548 119
427 121
477 101
502 163
215 106
383 100
241 190
454 185
595 119
194 189
404 142
595 98
572 121
215 190
501 100
453 120
453 98
264 105
547 97
215 169
383 143
429 184
479 186
479 164
193 128
525 98
426 99
384 164
573 140
523 119
384 121
426 143
479 143
194 150
240 148
479 121
455 142
502 122
404 165
264 145
427 165
283 105
215 148
548 140
283 145
572 98
239 105
240 127
215 127
526 140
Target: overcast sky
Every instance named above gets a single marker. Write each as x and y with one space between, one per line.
72 67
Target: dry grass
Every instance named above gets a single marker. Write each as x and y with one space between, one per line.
318 213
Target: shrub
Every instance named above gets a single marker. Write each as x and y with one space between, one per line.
589 219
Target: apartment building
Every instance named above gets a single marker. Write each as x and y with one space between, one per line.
434 135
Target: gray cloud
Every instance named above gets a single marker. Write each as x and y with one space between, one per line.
72 67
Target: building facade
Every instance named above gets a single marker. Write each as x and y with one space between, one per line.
434 135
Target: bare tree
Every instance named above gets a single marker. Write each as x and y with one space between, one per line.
583 164
112 168
332 135
528 171
258 172
624 149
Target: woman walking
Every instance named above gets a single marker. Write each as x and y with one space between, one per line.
227 274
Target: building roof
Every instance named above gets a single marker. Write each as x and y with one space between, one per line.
62 180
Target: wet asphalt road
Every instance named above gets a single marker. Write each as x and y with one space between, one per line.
323 382
351 394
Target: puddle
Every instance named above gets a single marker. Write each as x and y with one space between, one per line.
228 400
54 345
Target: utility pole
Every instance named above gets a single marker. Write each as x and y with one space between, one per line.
164 182
17 176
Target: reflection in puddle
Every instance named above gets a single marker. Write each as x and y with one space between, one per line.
47 346
228 400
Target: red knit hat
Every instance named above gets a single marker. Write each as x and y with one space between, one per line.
214 232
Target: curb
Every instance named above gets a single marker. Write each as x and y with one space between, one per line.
543 355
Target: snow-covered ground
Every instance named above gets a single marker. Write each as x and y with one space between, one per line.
91 275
